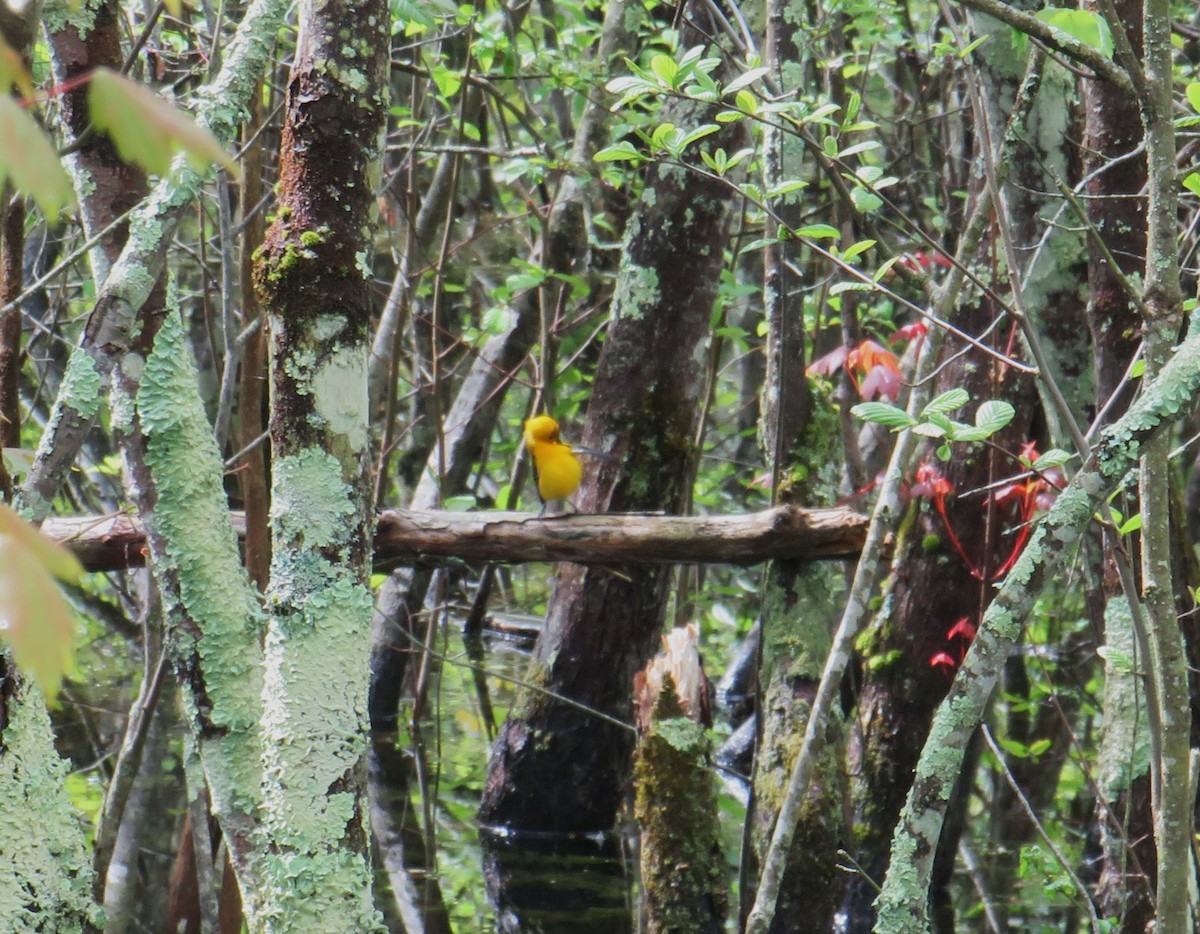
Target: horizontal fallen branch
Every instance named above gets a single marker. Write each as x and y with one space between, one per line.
110 543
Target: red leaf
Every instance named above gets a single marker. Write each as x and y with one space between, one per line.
870 354
828 364
964 629
918 330
881 382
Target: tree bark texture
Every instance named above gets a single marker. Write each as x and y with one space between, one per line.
676 808
110 330
552 767
1116 207
912 647
402 537
313 278
1163 402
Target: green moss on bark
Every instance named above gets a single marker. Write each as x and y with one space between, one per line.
676 807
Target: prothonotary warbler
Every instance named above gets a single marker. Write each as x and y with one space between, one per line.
555 465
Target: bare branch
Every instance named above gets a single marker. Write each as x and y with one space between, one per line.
109 543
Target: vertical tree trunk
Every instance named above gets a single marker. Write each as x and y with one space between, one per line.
931 589
1116 207
554 767
800 439
682 868
46 877
314 279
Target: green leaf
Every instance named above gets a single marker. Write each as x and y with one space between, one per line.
1082 26
757 244
1193 95
994 415
882 413
1115 659
662 134
623 151
665 69
1052 458
786 187
1132 524
17 461
839 287
946 403
930 430
497 319
147 128
822 115
817 232
408 14
745 79
705 129
1192 182
855 248
29 161
860 147
865 201
51 555
972 46
13 73
1014 748
448 81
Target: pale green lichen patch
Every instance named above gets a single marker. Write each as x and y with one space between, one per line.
311 505
637 291
298 365
339 390
62 14
83 387
46 879
328 891
327 327
191 516
1124 740
314 730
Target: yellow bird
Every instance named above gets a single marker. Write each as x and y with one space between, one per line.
555 465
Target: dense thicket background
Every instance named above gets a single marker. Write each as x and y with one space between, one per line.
701 237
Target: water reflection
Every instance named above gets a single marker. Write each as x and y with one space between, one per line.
557 884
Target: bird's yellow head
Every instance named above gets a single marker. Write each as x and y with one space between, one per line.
541 428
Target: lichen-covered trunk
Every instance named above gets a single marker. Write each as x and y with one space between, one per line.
313 278
46 873
1049 247
554 767
81 38
934 601
1116 207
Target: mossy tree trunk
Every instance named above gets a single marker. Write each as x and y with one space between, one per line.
313 277
800 444
676 809
554 767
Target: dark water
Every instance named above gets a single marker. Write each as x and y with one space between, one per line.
491 879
